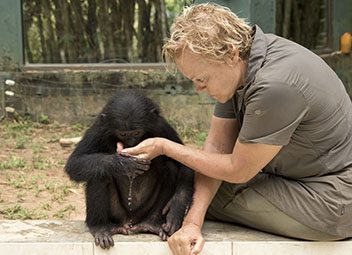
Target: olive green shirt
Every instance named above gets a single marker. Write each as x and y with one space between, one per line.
293 98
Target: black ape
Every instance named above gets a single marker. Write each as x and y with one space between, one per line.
125 194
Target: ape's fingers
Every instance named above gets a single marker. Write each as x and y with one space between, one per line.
139 172
166 227
166 208
97 241
142 158
163 235
106 242
143 161
142 167
111 241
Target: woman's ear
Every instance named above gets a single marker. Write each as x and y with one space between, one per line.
233 57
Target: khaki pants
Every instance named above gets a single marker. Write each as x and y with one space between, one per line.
241 204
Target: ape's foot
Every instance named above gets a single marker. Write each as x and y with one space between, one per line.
148 227
173 223
103 234
121 229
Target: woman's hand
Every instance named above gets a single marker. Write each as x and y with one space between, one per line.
148 149
188 240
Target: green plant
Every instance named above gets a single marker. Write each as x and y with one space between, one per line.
61 163
17 182
17 212
78 127
46 206
41 164
37 148
64 212
14 129
13 163
44 119
201 136
21 142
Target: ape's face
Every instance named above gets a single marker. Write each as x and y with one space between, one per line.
130 138
130 118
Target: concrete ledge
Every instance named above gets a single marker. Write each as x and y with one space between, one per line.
72 237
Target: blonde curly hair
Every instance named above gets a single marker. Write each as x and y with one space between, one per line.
210 30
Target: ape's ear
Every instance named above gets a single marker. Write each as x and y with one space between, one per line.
155 110
102 116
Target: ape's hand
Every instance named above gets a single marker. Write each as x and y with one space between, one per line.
132 166
174 212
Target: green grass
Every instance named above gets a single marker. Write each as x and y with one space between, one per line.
21 142
64 212
41 163
200 139
18 182
187 134
44 119
13 163
37 148
17 130
18 212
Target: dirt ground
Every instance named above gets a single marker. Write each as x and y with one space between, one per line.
33 184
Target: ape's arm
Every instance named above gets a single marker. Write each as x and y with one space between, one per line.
95 158
84 167
181 201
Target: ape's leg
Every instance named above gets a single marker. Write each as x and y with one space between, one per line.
98 202
154 221
152 224
177 206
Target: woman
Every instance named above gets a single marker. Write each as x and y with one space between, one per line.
278 156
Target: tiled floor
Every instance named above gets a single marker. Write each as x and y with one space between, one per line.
72 237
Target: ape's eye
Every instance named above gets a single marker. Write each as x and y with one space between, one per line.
137 133
122 134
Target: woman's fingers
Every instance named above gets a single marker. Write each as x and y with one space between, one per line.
119 147
187 240
148 149
198 246
180 245
131 150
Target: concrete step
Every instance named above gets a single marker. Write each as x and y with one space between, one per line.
73 238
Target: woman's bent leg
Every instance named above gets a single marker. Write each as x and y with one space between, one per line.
241 204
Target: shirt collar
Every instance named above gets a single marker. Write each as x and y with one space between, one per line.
257 54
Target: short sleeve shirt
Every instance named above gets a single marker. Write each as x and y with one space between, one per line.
294 99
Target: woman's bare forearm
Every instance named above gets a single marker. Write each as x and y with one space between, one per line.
205 189
214 165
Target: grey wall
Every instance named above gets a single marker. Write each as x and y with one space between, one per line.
11 43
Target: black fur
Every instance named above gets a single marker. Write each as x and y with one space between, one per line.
161 191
